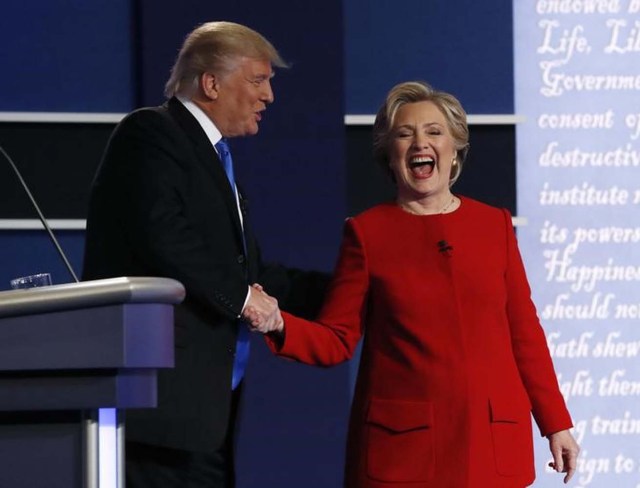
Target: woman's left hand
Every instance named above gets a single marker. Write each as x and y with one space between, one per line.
564 450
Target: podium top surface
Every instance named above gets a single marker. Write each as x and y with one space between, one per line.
92 293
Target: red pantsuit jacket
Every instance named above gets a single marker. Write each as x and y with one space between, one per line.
454 359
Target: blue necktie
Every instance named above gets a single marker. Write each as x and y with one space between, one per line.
242 344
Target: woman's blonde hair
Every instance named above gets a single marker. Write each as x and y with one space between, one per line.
419 91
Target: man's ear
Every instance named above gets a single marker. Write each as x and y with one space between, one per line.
209 85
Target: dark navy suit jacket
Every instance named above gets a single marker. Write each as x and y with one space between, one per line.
161 205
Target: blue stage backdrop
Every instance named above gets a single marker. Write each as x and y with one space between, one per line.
461 46
66 56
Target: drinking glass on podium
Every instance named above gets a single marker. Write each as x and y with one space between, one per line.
31 281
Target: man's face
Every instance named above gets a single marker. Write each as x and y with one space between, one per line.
243 95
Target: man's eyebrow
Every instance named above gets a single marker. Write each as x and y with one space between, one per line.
265 75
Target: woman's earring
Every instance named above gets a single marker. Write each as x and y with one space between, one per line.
455 169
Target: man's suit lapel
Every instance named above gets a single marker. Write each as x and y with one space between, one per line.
208 157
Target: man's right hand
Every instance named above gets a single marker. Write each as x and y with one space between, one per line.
262 312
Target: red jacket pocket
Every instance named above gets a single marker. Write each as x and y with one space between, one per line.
400 441
400 415
512 437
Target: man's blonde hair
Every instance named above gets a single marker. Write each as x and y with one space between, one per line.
216 47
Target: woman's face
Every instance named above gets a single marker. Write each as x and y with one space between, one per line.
421 151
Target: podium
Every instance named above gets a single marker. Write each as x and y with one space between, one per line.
67 351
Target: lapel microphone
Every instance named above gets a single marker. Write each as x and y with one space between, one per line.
244 204
445 248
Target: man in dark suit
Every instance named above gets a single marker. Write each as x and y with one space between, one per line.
164 203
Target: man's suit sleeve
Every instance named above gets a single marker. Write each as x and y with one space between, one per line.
299 292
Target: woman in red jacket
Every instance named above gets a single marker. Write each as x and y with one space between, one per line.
454 359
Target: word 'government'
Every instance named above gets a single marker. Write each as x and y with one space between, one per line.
556 84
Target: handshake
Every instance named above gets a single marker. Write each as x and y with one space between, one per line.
262 313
